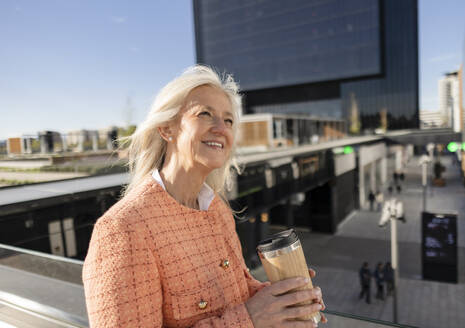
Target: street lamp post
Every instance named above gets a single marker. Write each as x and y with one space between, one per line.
394 254
424 160
423 182
392 211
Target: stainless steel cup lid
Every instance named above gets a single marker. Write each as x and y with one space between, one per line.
278 241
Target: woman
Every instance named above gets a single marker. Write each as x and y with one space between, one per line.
167 254
379 277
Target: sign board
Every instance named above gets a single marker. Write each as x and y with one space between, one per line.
439 246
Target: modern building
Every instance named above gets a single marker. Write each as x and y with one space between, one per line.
26 144
14 146
345 59
432 119
50 142
450 100
267 131
461 99
108 136
81 140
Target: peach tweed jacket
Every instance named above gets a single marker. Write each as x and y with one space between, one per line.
153 262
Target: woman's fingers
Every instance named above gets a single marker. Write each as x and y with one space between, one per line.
300 311
312 273
323 318
286 285
300 296
323 306
298 324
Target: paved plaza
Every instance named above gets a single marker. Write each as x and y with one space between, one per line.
337 258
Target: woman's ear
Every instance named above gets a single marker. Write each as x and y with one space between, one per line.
166 132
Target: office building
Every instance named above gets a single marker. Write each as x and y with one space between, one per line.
343 59
449 100
431 119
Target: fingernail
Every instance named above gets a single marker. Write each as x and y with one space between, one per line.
306 280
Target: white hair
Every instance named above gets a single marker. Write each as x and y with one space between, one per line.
147 148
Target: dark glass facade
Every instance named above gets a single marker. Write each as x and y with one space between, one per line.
274 43
354 59
395 94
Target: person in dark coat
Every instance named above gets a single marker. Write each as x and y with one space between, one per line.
371 199
379 278
365 280
389 278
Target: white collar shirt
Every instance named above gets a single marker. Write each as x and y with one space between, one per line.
205 197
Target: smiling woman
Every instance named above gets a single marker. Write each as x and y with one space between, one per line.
167 254
198 93
201 137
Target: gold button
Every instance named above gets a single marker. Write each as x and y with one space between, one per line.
203 304
225 264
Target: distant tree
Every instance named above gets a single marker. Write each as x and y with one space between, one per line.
383 120
87 144
35 145
354 115
126 132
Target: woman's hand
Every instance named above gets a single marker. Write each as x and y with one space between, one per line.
269 308
323 306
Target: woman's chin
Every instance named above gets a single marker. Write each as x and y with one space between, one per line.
212 164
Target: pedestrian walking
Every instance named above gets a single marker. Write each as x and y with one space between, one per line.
390 189
379 277
365 280
371 199
398 188
389 278
379 200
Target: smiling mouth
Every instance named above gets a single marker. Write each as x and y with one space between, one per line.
213 144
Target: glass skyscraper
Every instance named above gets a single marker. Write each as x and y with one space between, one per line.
353 59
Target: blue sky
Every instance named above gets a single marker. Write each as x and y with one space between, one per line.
441 44
67 65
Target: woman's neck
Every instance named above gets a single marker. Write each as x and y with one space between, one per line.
183 184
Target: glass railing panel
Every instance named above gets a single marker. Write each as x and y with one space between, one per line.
345 320
16 311
52 266
28 293
39 288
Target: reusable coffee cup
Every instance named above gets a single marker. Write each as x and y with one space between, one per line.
283 258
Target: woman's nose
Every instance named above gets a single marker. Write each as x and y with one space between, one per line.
218 125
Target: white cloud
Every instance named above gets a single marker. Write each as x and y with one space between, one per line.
118 19
443 57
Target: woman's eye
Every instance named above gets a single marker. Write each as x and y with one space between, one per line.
204 114
228 122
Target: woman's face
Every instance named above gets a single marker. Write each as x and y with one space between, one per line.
204 128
